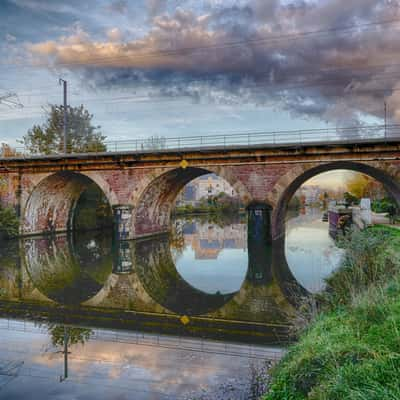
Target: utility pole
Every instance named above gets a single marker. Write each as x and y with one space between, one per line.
66 340
64 83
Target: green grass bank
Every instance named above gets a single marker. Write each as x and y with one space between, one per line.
350 348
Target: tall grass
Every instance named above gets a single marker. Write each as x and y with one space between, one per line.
352 348
372 258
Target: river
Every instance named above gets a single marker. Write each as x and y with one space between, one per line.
165 316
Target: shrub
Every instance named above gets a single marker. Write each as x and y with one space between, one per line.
9 224
370 259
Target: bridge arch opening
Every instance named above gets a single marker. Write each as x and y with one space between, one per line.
300 228
391 185
66 201
152 214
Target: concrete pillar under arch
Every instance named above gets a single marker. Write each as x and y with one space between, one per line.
123 221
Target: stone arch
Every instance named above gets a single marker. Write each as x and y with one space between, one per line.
98 179
287 185
154 205
50 205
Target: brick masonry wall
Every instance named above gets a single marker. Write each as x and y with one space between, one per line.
47 198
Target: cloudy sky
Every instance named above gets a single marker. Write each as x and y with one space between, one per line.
185 67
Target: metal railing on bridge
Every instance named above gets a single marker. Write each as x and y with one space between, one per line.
239 139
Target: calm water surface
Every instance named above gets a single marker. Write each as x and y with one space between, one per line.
310 251
208 280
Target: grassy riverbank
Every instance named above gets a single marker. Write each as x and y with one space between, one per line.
351 346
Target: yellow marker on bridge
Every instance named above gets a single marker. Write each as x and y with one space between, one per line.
184 164
185 319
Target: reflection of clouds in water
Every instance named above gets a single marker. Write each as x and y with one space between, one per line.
310 251
224 274
120 366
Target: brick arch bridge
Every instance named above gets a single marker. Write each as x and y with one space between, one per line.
142 186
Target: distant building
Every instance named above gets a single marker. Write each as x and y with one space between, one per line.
203 187
212 185
310 193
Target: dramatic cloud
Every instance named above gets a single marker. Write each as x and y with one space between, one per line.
119 6
261 52
114 35
156 7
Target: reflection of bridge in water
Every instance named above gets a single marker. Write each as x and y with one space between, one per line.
136 284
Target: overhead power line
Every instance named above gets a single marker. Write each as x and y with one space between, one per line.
350 68
329 84
133 99
276 86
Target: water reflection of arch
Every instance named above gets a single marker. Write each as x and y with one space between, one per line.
261 295
267 261
157 272
291 288
68 269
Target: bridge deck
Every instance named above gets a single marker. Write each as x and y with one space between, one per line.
208 149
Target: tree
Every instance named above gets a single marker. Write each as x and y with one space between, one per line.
324 198
48 138
9 222
350 199
7 151
75 335
357 184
